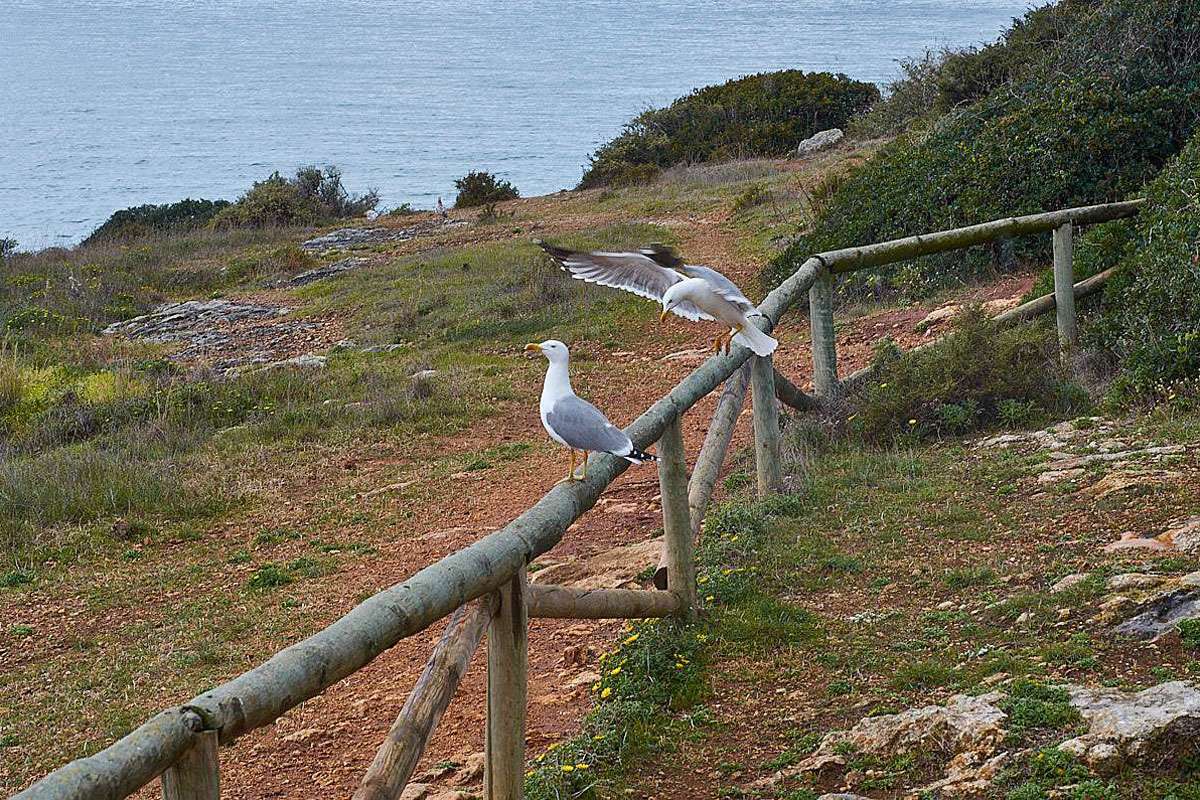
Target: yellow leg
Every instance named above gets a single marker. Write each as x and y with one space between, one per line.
729 338
585 463
570 472
716 343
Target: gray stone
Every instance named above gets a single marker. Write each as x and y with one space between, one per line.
1068 582
364 237
1157 726
819 141
1162 614
1132 580
322 272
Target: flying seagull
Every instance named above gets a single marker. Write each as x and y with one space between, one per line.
699 293
574 422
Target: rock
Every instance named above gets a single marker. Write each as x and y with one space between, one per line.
842 796
611 569
1162 614
948 312
964 725
306 361
302 735
471 769
1069 582
343 346
1132 580
416 791
1157 726
583 679
361 237
1132 541
1191 580
1127 481
1184 535
819 141
1059 475
967 775
322 272
386 348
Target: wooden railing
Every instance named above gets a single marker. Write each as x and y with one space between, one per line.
484 585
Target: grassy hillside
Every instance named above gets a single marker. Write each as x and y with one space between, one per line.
1090 101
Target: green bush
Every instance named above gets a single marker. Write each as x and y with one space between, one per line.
1149 316
758 115
1081 119
966 382
483 189
138 221
313 196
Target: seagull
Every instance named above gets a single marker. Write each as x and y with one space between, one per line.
699 293
574 422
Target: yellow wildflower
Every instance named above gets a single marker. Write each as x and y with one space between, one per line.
607 691
567 768
615 671
581 766
632 639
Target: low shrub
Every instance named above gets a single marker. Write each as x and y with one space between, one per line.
483 189
313 196
1149 315
139 221
766 114
969 381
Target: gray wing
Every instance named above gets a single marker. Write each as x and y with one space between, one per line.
633 272
582 426
721 285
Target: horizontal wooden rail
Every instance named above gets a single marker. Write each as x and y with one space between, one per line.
875 255
564 602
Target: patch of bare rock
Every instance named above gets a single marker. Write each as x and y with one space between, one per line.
612 569
345 238
1151 728
943 315
322 272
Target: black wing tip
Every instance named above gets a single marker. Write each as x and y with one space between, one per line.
663 255
559 254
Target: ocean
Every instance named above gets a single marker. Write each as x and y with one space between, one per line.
106 104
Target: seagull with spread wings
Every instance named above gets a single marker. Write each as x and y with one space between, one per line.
692 292
574 422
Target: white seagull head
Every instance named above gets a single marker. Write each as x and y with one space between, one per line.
677 293
554 350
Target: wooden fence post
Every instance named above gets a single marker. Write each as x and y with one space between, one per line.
1064 286
766 427
678 548
508 663
824 348
197 775
716 444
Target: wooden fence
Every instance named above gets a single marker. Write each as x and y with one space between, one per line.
484 585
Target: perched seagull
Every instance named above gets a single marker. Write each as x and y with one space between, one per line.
574 422
700 293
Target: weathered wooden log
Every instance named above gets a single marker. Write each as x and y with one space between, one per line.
197 774
792 395
1064 286
716 445
766 427
678 547
126 765
566 602
824 346
855 258
400 752
507 684
1046 303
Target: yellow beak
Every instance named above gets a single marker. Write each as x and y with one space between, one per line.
533 348
663 316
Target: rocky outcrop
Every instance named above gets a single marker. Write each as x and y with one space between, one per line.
322 272
946 313
611 569
1158 727
185 321
345 238
819 141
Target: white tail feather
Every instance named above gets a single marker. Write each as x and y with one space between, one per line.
753 339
